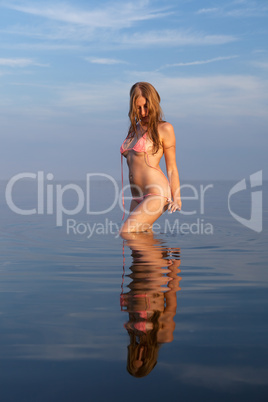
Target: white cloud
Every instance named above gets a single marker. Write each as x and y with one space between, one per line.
208 10
237 9
206 97
259 51
104 26
171 38
17 62
240 1
183 97
247 12
106 97
174 38
79 37
107 61
261 64
211 96
44 46
52 31
198 62
116 15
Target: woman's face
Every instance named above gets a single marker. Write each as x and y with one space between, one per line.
141 105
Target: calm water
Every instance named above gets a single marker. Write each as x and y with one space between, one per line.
171 315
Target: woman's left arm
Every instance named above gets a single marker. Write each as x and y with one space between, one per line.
169 146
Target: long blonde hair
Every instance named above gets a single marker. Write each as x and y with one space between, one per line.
155 112
147 341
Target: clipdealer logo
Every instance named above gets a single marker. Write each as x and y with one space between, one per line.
255 220
50 199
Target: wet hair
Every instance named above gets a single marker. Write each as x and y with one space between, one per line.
150 345
155 112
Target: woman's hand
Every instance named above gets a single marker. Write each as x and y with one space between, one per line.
174 206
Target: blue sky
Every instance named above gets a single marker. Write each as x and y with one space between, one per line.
66 68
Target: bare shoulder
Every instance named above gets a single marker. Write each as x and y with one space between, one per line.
166 133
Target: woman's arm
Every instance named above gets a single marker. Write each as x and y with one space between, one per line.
169 145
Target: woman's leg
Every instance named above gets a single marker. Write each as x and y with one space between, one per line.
134 203
144 214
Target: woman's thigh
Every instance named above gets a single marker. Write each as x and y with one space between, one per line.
144 214
133 205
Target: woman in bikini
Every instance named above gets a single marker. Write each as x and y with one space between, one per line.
149 138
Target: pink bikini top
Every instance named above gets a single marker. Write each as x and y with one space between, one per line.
140 145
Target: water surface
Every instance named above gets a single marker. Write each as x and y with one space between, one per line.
164 315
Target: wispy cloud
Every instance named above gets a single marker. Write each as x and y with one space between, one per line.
107 25
208 10
248 12
51 32
92 98
241 8
259 51
174 38
107 61
260 64
112 15
220 95
20 63
198 62
55 37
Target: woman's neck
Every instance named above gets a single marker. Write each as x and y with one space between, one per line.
142 129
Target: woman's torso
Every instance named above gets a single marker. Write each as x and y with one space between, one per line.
145 175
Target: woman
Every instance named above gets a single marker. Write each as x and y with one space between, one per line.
149 138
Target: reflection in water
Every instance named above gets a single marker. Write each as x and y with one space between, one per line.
151 299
